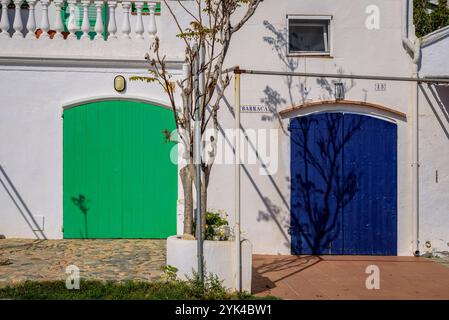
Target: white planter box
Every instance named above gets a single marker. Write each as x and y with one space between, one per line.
219 259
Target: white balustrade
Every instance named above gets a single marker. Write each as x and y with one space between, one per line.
152 28
126 26
139 21
85 26
45 23
99 20
31 23
4 23
58 20
77 19
17 25
71 23
112 25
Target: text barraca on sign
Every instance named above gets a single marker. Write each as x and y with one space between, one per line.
254 108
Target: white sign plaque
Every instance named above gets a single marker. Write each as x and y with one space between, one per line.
254 108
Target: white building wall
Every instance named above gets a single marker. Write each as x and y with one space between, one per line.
31 127
355 50
31 138
434 150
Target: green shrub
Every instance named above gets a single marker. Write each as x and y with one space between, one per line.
428 21
169 273
217 226
210 289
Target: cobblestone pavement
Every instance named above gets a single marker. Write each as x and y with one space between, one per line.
120 260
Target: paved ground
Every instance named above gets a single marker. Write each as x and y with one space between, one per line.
442 258
97 259
289 277
344 277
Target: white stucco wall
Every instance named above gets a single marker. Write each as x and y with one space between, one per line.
31 128
434 149
31 137
434 54
356 50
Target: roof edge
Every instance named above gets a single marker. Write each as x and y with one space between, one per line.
435 36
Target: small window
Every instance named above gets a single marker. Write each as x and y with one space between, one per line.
308 36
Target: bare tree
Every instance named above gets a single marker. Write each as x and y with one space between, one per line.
212 26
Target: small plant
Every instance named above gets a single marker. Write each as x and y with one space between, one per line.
169 274
217 226
210 289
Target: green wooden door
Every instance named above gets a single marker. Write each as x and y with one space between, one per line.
119 181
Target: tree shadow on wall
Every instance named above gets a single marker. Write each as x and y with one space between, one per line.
278 214
278 41
82 203
22 207
439 104
272 211
320 187
298 89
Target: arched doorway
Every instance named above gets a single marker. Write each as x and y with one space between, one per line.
118 179
343 184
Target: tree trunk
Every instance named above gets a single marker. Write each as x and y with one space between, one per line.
186 174
203 199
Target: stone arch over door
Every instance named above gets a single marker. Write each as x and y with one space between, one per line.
361 107
118 178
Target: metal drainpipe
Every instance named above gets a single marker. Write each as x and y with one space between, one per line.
415 49
407 16
415 148
238 251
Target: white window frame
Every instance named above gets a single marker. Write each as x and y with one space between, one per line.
327 34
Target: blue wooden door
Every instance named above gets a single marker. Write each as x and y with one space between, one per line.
343 185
